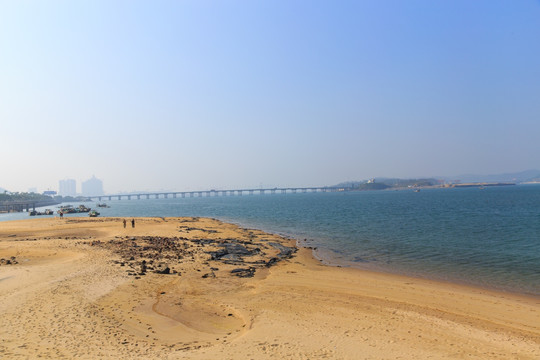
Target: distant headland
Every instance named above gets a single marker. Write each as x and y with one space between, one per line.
523 177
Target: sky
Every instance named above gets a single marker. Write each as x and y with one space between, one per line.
195 95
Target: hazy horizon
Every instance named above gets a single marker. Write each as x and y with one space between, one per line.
198 95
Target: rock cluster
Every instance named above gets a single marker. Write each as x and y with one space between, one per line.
11 261
172 255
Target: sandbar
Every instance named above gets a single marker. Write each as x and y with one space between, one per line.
199 288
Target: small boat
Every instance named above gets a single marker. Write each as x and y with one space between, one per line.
93 213
67 209
103 205
417 190
49 212
33 213
82 209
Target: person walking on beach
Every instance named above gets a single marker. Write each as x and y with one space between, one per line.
124 223
132 223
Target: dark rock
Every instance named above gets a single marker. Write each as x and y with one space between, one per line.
231 258
284 251
232 252
272 262
162 268
244 273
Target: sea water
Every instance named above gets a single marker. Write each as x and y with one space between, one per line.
485 237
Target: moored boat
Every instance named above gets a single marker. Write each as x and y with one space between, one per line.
83 209
93 213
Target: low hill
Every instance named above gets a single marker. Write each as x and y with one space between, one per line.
386 183
516 177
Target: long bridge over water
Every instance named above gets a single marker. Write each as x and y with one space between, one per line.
209 193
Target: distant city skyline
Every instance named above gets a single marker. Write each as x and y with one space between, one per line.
94 186
196 95
67 187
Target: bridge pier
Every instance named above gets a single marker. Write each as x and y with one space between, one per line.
174 196
129 197
110 198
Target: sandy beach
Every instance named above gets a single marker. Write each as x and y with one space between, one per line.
197 288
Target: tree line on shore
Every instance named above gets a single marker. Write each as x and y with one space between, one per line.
31 196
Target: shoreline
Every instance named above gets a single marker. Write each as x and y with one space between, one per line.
332 262
424 276
75 276
329 260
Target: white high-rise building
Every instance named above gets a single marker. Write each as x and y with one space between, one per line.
92 187
67 187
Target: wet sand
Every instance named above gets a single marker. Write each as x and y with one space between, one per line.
78 288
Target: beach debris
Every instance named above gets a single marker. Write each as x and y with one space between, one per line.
11 261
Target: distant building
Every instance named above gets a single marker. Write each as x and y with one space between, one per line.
92 187
67 187
49 193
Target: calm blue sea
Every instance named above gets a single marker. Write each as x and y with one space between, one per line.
488 237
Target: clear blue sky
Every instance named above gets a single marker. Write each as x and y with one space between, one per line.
188 95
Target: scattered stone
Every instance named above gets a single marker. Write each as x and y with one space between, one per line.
244 273
143 266
162 268
11 261
164 255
